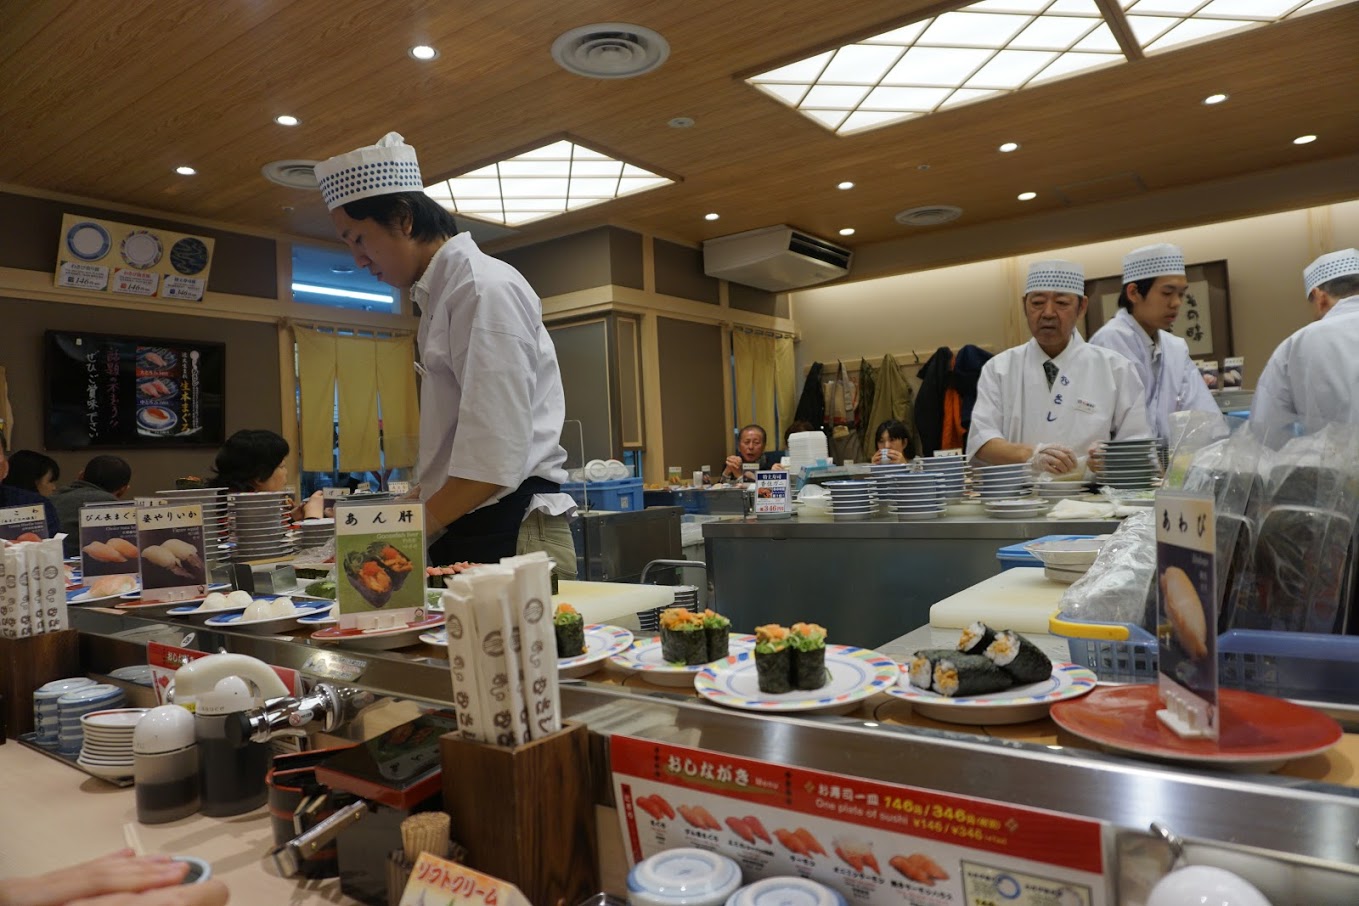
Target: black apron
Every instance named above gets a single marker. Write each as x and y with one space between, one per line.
492 532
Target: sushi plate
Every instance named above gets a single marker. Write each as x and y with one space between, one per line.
644 656
379 639
268 626
602 641
1258 732
855 674
81 596
1013 706
132 601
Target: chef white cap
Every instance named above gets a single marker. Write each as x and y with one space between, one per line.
382 169
1057 276
1149 261
1344 263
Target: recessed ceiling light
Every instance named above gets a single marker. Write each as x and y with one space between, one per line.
847 231
845 185
1304 139
711 216
1027 196
185 171
1008 147
1212 99
423 52
286 120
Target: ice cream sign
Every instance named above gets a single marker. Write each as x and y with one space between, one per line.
105 256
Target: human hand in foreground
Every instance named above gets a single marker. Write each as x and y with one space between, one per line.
118 879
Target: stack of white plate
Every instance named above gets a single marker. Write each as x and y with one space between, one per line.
259 525
74 705
1066 561
1131 465
807 448
1060 489
952 470
107 749
917 496
852 501
314 533
1016 507
1002 482
216 527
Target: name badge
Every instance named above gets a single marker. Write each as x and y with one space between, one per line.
1085 407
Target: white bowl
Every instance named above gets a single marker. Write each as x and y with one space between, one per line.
683 877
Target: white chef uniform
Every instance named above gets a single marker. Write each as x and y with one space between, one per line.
1313 376
1171 379
1096 396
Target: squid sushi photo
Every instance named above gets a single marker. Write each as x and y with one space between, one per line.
808 644
921 667
569 627
968 674
683 640
717 630
976 638
1024 661
773 659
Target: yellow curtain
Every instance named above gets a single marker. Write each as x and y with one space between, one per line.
764 388
316 381
785 387
359 447
743 351
400 401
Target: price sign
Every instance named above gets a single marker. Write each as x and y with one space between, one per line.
437 882
1186 626
399 488
18 523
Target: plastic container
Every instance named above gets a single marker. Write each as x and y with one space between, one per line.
683 877
1015 555
624 494
786 892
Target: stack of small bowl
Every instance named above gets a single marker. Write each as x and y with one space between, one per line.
952 471
1002 482
1068 559
75 704
314 533
47 713
852 501
216 527
916 496
1129 465
107 748
259 525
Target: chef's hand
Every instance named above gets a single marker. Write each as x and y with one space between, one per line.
1095 458
733 467
122 875
888 455
1053 458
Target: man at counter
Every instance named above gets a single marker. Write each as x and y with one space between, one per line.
491 399
749 456
1049 401
1313 376
105 479
1154 288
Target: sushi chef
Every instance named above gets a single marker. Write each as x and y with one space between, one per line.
491 401
1154 289
1050 400
1313 377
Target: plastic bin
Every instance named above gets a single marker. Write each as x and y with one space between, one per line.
1301 665
1015 555
622 494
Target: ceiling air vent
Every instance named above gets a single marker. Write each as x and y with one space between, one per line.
610 50
295 174
928 215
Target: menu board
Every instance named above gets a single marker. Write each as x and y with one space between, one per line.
23 523
379 546
173 563
112 391
108 257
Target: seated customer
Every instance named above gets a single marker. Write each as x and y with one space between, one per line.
104 479
252 460
12 496
749 456
892 437
33 471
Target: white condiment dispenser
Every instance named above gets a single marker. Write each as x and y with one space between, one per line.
165 764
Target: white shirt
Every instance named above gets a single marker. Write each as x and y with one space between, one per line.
1097 396
491 401
1313 377
1171 379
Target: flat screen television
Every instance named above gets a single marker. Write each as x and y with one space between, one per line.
103 390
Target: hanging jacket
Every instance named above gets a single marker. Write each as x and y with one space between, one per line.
967 369
929 402
867 390
893 399
841 398
811 406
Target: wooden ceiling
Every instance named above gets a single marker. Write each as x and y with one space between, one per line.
104 99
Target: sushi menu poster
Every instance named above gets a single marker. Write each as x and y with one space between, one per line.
110 391
874 842
105 256
380 557
1186 625
108 540
19 521
173 564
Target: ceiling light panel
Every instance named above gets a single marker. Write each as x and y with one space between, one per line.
1163 24
544 182
984 49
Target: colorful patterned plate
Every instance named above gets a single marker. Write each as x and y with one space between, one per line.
644 656
602 641
1013 706
856 673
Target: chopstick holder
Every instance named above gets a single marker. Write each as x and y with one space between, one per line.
468 699
533 603
493 638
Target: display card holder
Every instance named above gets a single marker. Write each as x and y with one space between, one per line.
526 814
29 663
1186 569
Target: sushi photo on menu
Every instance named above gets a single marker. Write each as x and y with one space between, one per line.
173 564
108 540
1186 627
379 547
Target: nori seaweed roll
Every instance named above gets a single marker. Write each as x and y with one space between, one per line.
808 644
968 674
773 659
1024 661
921 667
976 637
570 629
717 629
682 638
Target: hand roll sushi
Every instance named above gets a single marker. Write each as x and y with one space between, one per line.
968 674
921 667
683 640
717 629
570 629
1024 661
808 644
773 659
976 637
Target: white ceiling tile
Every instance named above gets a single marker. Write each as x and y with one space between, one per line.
860 64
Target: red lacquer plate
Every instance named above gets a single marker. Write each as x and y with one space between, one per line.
1257 731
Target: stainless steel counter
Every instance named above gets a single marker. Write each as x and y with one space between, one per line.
864 581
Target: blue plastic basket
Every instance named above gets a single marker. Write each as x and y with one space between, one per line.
620 494
1302 665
